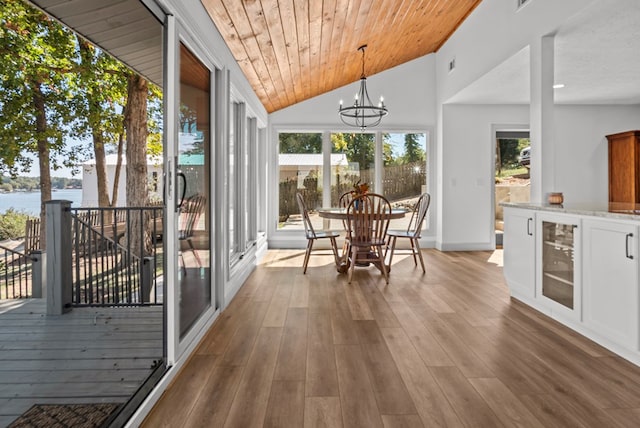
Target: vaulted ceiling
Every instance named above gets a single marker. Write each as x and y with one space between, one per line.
292 50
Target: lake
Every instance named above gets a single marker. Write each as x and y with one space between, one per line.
29 202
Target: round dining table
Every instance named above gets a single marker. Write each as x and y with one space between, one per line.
341 214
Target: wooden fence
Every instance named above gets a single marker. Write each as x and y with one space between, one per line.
399 182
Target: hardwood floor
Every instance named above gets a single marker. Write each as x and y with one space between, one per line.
447 348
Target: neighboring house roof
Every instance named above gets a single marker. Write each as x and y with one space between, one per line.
307 159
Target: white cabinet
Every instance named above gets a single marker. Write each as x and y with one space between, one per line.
611 280
519 252
581 268
558 285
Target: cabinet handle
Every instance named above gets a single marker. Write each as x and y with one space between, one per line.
529 220
626 244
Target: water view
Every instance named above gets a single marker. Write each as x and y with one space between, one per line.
29 202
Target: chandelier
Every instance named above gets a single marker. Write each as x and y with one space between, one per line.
362 114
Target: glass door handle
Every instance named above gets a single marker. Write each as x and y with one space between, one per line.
180 175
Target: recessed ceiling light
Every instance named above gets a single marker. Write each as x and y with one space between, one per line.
558 86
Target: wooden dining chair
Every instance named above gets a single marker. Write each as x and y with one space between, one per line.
367 224
313 234
413 231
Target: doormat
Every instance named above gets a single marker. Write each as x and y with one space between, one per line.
65 415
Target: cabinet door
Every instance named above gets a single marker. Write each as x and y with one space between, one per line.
611 280
558 280
519 252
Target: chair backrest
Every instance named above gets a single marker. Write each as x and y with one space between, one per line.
191 211
308 227
343 202
368 218
418 215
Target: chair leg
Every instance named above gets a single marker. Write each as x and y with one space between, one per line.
393 248
413 252
184 266
306 255
353 253
419 254
195 253
334 247
381 260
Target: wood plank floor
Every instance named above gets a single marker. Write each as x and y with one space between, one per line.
89 355
448 348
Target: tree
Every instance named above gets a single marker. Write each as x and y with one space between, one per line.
103 83
35 79
300 143
358 146
412 150
136 153
507 152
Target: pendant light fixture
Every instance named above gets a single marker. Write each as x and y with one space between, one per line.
362 114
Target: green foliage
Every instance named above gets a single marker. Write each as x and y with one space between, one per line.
300 143
358 146
508 152
413 151
36 60
12 224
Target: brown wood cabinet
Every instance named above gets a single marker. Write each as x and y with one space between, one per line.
624 167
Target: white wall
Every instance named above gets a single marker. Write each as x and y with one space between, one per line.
581 151
408 89
493 32
467 172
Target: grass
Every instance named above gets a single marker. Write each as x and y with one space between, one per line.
513 171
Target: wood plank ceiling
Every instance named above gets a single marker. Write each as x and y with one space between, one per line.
292 50
124 28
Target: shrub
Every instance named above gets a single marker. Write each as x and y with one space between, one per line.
12 224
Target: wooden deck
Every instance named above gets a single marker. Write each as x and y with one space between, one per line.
448 348
89 355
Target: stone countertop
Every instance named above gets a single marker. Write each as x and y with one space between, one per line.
621 211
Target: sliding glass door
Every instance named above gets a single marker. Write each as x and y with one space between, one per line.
189 249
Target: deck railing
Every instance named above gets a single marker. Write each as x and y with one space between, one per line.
95 257
15 274
116 256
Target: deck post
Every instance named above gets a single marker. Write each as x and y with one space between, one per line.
38 273
146 278
59 272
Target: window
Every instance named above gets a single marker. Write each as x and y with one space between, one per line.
392 164
300 170
232 180
352 161
404 177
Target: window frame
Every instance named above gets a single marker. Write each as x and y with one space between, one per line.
279 238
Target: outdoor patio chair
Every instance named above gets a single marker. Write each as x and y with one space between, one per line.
413 231
313 234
